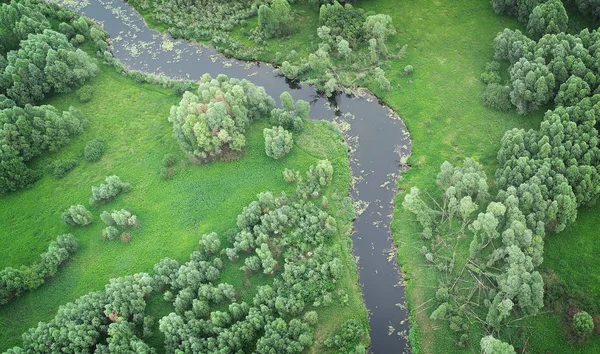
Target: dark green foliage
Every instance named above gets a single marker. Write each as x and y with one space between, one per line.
532 85
589 7
85 93
13 282
572 91
109 190
45 63
93 150
345 21
520 8
67 30
60 168
182 86
548 17
347 337
28 132
17 21
497 97
213 123
77 215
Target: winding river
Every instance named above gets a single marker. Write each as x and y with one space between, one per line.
377 137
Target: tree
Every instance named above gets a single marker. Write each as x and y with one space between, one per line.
491 345
213 123
109 190
267 23
77 215
583 324
278 142
572 91
548 17
533 85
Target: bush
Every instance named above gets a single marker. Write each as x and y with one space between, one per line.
85 93
124 218
60 168
583 324
278 142
109 190
93 150
290 175
169 160
166 173
497 97
181 86
125 237
110 233
77 215
408 70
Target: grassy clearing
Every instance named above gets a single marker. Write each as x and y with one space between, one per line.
173 214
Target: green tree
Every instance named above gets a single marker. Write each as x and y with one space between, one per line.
491 345
548 17
583 324
278 142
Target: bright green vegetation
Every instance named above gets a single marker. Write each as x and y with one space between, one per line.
132 120
448 46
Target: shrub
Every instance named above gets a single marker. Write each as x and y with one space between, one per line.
109 190
79 39
60 168
181 87
289 175
124 218
125 237
407 70
278 142
497 97
93 150
166 173
77 215
85 93
110 233
583 324
107 218
169 160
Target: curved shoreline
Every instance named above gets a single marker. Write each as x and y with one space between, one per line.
373 131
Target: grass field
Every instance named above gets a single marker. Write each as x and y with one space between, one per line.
173 214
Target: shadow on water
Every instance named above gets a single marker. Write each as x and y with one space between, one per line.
376 135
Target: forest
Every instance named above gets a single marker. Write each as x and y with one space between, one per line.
220 218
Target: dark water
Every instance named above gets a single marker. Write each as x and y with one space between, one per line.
372 130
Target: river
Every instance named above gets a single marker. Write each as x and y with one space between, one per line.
376 135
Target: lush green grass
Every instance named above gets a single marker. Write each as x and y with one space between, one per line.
173 214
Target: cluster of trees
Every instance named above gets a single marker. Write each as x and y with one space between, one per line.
288 235
77 215
45 62
560 68
206 19
274 20
121 218
213 123
26 133
14 282
36 61
109 190
344 30
545 175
